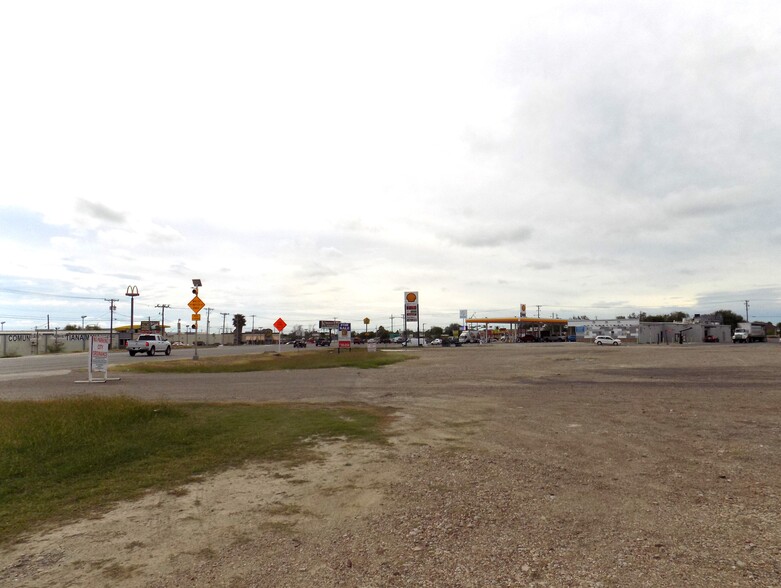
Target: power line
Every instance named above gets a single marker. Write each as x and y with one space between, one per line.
50 295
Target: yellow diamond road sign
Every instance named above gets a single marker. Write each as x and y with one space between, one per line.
196 304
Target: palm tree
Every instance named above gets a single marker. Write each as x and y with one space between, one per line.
239 322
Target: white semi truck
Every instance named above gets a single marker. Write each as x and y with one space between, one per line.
749 333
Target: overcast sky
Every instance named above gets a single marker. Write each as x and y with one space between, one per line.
315 160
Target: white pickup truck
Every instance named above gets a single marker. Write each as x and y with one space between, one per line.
149 344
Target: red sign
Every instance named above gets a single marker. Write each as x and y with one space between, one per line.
280 324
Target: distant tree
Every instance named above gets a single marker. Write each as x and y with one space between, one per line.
71 328
729 318
452 329
436 332
239 322
672 317
654 318
677 316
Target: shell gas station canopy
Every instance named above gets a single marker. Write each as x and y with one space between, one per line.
520 322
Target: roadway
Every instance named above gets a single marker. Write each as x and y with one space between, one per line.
59 364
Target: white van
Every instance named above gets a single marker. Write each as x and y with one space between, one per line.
415 342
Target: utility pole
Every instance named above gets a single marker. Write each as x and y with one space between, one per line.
224 314
111 308
208 321
391 319
163 306
748 321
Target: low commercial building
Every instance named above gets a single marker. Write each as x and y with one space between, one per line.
39 342
684 332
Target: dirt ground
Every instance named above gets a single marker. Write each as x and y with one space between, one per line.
510 465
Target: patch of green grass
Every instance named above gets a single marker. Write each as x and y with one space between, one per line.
63 459
257 362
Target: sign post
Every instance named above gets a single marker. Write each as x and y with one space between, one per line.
280 325
196 305
411 312
345 337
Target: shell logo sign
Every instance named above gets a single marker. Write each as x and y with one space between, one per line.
410 306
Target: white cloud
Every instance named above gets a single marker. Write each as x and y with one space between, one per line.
321 159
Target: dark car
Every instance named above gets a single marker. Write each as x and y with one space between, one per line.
299 343
322 343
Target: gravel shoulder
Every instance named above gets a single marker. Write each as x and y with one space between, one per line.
509 465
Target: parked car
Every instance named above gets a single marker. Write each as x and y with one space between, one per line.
322 343
437 342
711 339
606 340
299 343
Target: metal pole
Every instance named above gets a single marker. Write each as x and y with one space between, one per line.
195 341
163 306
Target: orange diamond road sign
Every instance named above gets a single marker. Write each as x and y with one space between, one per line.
280 324
196 304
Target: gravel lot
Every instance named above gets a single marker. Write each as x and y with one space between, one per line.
510 465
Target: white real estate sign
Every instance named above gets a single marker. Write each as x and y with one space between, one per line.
97 359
